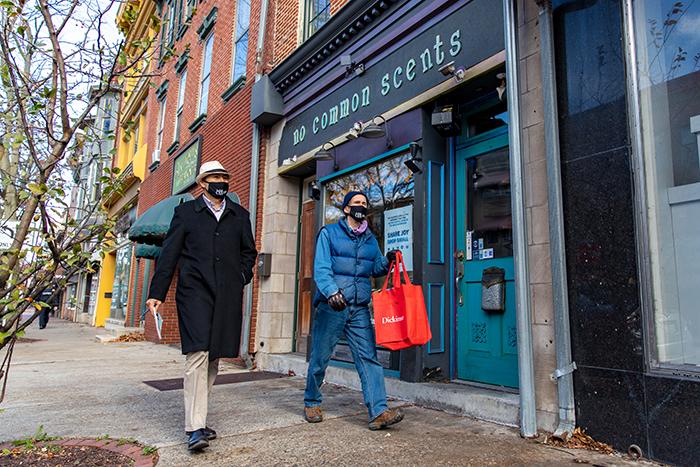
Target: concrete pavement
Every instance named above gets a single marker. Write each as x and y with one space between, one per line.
75 386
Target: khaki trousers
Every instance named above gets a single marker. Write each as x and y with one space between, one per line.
200 374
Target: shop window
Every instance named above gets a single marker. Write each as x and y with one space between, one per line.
668 69
120 286
240 42
390 187
317 13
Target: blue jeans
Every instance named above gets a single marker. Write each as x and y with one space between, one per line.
329 326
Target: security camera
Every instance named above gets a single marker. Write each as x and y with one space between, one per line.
447 69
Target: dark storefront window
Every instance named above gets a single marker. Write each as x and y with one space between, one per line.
668 67
390 187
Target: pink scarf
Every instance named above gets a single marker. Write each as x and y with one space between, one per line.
361 229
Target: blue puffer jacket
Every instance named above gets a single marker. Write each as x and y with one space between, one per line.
345 261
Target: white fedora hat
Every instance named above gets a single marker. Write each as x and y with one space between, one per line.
210 168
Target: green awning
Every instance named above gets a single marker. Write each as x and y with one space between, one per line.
146 251
150 228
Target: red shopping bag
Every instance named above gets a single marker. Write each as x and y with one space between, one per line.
400 316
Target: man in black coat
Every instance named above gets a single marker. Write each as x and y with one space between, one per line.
212 240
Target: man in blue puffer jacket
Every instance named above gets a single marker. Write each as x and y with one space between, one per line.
347 255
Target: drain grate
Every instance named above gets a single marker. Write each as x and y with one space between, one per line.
230 378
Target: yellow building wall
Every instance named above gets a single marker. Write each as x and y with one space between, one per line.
107 269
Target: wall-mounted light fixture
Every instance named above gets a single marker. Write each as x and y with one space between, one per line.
501 88
314 191
375 130
324 154
449 69
415 163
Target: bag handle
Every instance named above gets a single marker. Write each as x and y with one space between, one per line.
402 268
393 271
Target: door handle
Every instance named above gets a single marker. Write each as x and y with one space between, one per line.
459 275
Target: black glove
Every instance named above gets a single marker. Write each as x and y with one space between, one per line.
337 301
391 255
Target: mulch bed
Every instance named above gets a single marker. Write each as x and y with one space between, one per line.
579 440
85 452
131 337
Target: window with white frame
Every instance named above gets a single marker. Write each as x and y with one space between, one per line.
240 41
317 13
668 70
206 75
180 104
161 126
171 22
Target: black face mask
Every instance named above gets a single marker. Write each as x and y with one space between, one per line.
359 213
218 189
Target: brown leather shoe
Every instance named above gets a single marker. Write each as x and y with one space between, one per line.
313 414
387 418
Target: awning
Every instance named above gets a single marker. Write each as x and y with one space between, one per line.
146 251
150 228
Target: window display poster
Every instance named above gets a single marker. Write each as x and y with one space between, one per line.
398 233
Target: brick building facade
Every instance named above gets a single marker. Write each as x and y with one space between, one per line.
226 131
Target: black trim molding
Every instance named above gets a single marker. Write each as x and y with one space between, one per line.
182 61
233 89
173 147
208 24
198 122
162 90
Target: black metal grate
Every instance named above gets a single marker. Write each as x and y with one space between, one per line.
230 378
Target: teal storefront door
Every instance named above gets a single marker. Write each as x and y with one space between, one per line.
486 349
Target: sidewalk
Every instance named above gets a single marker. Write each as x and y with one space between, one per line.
74 386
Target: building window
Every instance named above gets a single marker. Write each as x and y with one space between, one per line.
172 11
190 9
240 41
135 134
107 118
206 73
180 104
668 69
161 126
317 13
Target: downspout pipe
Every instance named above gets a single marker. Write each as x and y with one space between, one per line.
563 375
528 407
253 197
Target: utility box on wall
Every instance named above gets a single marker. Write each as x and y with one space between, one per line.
264 264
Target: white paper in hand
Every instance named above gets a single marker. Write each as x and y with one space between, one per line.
159 323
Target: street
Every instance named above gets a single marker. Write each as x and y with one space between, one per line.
77 387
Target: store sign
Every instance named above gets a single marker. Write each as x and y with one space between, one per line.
398 233
467 36
185 167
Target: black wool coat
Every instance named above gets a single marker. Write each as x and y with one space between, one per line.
216 260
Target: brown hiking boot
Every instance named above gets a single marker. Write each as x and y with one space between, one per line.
387 418
313 414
